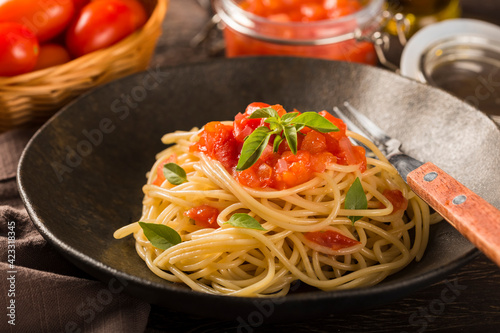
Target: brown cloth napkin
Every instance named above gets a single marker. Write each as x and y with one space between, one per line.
40 290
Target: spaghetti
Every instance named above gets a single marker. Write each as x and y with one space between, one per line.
309 235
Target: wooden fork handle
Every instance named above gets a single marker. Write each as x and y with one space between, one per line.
470 214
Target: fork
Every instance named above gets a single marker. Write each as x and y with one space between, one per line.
471 215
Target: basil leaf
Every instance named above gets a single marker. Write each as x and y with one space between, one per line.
274 124
253 147
174 174
288 117
277 141
160 235
268 112
355 199
291 137
298 127
242 220
316 122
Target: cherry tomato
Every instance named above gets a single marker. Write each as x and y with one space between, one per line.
51 55
79 4
45 18
18 49
102 23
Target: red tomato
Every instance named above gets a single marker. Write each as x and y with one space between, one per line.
204 216
399 202
337 122
217 141
282 169
243 127
314 142
290 11
140 17
160 176
79 4
351 155
255 106
102 23
51 55
45 18
331 239
18 49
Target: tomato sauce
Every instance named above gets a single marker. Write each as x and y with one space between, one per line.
330 239
285 20
282 169
204 216
160 177
399 202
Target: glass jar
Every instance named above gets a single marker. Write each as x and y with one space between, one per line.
461 56
345 38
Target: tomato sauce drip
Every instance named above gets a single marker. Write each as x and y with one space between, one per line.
204 216
282 169
331 239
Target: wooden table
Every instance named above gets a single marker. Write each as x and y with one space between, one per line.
475 306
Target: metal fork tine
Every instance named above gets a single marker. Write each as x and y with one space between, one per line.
370 127
350 124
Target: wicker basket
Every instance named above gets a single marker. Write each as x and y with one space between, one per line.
35 96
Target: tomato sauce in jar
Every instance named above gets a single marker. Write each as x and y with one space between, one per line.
314 28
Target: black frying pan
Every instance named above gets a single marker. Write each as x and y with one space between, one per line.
81 175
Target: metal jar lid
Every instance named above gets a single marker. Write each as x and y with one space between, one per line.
461 56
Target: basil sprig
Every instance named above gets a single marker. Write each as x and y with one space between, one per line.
283 128
160 235
355 198
243 220
175 174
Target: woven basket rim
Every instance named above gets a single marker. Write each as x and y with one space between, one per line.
156 17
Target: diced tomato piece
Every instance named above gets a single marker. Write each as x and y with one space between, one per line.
249 178
282 169
332 144
360 154
314 142
217 140
347 155
331 239
204 216
337 122
313 12
292 170
351 155
399 202
321 160
279 108
255 106
242 126
160 177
